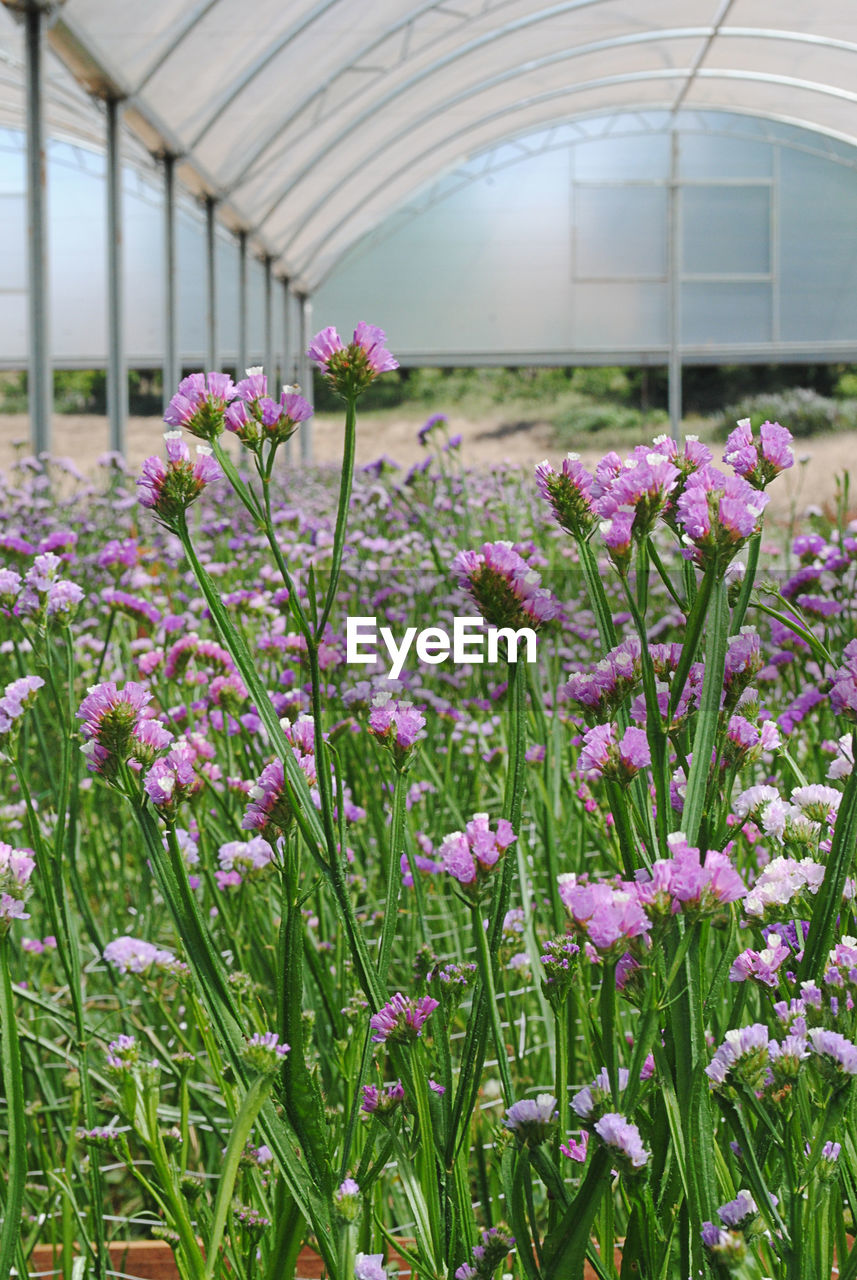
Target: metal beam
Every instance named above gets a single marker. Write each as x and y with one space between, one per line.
211 283
40 375
242 304
289 372
172 368
270 360
117 373
674 289
305 372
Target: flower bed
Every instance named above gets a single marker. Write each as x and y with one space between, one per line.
474 971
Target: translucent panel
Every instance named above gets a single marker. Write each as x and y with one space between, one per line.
818 289
706 155
639 156
227 297
620 232
726 230
13 244
728 314
612 316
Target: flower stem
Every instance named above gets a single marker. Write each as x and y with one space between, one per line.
16 1122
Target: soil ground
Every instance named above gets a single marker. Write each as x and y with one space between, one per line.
490 440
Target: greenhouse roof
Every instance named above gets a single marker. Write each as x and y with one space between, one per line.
311 120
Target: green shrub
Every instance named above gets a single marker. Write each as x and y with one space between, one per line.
575 424
803 411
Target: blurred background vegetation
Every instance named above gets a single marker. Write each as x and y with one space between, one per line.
599 405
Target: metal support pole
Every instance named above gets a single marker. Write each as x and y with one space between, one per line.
211 283
172 368
40 376
270 357
305 372
243 360
674 287
117 373
288 367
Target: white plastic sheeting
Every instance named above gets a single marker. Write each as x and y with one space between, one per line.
312 120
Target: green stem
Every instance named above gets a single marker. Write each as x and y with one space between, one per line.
16 1122
740 610
394 876
241 1130
709 712
486 973
345 483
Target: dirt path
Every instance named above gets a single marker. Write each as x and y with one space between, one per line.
83 439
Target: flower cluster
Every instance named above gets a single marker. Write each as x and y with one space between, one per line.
759 461
168 488
264 1052
471 855
401 1019
134 955
688 882
507 591
843 689
567 492
608 915
382 1102
16 698
254 417
532 1119
16 868
351 368
495 1244
117 730
623 1139
606 755
43 595
717 514
242 860
397 725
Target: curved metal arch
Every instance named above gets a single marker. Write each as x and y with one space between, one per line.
258 66
568 6
637 77
192 21
550 59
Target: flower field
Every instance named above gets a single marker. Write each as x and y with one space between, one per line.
486 968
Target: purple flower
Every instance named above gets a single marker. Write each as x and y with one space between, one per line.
350 369
264 1052
401 1019
618 761
759 462
470 856
199 404
172 779
398 725
116 729
169 488
761 966
532 1119
843 692
382 1102
608 915
717 514
744 1052
567 492
16 698
122 1053
838 1053
623 1137
506 590
640 487
16 869
574 1150
134 955
369 1266
245 858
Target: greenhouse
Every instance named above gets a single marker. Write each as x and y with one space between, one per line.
428 663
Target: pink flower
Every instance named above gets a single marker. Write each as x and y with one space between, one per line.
759 462
199 404
169 488
350 369
402 1019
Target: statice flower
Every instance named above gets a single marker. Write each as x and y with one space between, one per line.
269 809
264 1052
727 1247
743 662
507 591
200 403
401 1019
116 730
168 488
639 487
471 855
16 869
135 955
10 586
532 1119
759 461
843 691
495 1243
558 968
45 595
576 1149
397 725
616 1132
172 779
838 1054
347 1199
844 762
745 743
593 1099
123 1053
369 1266
255 418
567 492
382 1102
819 803
743 1056
601 690
760 966
351 369
16 699
717 514
608 916
243 859
780 882
604 755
